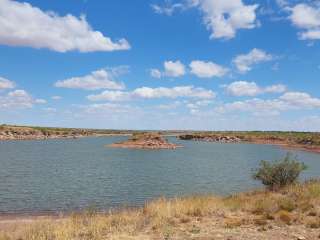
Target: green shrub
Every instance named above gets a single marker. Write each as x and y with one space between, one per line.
279 173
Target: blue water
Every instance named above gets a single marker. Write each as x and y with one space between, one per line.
67 175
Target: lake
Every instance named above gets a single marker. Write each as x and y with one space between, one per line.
67 175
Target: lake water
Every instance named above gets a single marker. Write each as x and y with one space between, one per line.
67 175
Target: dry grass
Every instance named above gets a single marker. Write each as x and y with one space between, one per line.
166 219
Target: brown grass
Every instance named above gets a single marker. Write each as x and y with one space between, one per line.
166 219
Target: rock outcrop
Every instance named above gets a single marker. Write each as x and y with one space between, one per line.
211 138
26 133
146 141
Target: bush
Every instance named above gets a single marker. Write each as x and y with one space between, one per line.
280 173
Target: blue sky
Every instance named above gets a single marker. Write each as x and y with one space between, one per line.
161 64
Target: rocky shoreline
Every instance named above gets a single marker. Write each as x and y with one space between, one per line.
146 141
10 133
25 133
304 144
211 138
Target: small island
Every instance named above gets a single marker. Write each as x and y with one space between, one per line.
146 141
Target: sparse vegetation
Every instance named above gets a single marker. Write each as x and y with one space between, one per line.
280 173
188 218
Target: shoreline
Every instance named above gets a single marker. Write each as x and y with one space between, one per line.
290 213
278 144
71 137
290 146
232 139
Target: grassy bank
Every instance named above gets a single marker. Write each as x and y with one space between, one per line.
291 213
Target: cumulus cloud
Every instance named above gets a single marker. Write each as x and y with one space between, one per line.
6 84
100 79
174 69
114 96
301 99
224 18
25 25
243 88
207 69
175 92
288 101
244 62
255 106
307 18
19 99
151 93
171 69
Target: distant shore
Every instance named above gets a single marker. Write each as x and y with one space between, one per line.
8 132
306 141
289 140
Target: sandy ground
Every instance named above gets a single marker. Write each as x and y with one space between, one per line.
209 228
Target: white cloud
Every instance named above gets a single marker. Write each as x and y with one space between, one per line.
301 99
6 84
277 88
171 69
167 9
174 69
100 79
19 99
207 69
223 18
40 101
255 106
169 106
244 62
106 108
175 92
151 93
107 95
25 25
56 97
307 18
155 73
243 88
282 3
288 101
199 104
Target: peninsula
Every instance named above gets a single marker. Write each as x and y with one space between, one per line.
308 141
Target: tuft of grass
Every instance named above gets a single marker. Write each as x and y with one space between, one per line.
287 204
285 217
233 222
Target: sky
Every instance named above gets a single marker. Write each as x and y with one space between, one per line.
161 64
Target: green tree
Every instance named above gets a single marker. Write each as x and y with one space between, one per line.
278 174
